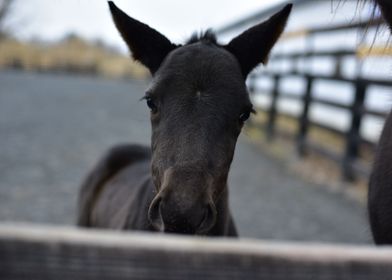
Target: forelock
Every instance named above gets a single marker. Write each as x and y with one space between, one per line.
207 36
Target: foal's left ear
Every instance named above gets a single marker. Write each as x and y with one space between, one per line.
147 45
253 45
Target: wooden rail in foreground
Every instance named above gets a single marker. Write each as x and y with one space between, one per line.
48 252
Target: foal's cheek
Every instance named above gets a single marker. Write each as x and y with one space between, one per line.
154 119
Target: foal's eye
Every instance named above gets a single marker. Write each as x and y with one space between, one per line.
244 116
151 105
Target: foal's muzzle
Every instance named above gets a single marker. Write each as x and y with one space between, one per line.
166 216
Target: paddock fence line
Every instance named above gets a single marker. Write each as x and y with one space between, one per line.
50 252
352 164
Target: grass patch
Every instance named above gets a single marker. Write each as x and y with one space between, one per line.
72 54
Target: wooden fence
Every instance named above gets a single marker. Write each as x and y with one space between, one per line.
43 252
349 160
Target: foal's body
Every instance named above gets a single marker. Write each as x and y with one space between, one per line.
122 177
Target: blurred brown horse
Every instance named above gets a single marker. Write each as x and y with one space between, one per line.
380 186
199 103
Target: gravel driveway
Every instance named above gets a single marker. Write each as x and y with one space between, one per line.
53 128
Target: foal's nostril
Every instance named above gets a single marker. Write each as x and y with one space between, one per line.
209 219
166 215
154 213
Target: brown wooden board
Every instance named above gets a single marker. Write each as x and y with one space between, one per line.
45 252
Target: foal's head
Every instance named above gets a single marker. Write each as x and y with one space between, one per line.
199 103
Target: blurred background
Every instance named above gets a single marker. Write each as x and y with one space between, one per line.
69 91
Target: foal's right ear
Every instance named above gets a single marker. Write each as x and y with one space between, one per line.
147 45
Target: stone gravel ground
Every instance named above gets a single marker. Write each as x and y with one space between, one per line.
53 128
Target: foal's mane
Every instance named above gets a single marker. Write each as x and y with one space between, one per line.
207 36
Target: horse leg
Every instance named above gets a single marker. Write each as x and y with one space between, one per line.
112 162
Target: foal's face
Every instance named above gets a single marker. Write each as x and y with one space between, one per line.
198 104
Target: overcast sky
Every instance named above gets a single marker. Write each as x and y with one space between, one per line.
177 19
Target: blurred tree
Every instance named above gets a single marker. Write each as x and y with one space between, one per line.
5 6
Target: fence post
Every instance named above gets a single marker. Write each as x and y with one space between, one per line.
273 110
304 118
353 138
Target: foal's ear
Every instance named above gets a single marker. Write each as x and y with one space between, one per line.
147 45
253 45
